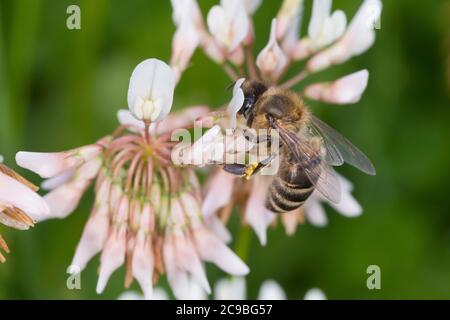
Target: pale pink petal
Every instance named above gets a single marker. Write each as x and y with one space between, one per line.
219 193
272 60
359 37
314 211
93 238
143 263
252 5
63 200
256 213
48 165
15 194
348 206
345 90
228 23
178 279
58 180
291 220
212 249
320 12
271 290
188 260
184 43
217 227
113 256
12 223
290 11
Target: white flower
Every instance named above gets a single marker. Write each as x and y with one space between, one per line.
231 289
228 23
359 37
272 60
324 28
189 22
150 92
345 90
236 102
186 9
348 206
290 11
252 5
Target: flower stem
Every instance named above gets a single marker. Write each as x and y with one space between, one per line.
251 63
295 79
243 242
230 72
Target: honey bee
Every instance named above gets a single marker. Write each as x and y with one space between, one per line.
308 148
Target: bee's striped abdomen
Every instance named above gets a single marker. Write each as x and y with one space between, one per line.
290 189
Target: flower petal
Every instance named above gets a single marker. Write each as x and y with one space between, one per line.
150 93
212 249
219 193
271 290
315 294
51 164
231 289
93 238
314 211
15 194
113 256
359 37
345 90
272 60
256 213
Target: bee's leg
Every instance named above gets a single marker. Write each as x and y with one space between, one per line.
246 171
235 168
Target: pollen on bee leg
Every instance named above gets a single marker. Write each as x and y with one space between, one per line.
250 170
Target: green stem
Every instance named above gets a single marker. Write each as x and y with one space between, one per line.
243 242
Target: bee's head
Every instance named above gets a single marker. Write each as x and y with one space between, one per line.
252 91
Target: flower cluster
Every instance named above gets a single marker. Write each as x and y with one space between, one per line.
227 38
147 212
20 205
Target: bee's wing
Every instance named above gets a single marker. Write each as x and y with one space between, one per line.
321 175
339 149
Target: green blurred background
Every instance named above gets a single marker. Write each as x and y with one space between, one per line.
60 89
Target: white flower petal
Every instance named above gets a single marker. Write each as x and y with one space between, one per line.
272 60
314 211
93 238
359 37
219 192
345 90
150 93
271 290
320 12
113 256
212 249
231 289
15 194
315 294
256 213
237 101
